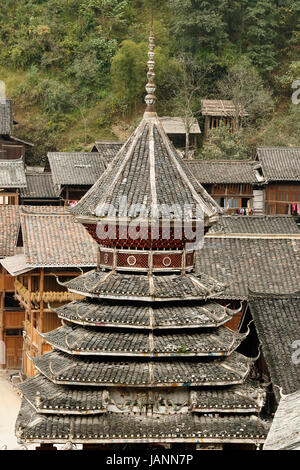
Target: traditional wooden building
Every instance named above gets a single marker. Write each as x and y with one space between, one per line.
11 315
40 190
145 358
49 244
74 173
220 112
235 185
11 148
12 180
108 149
280 167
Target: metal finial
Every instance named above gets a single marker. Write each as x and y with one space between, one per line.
150 99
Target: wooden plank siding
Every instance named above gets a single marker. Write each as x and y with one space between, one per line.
280 196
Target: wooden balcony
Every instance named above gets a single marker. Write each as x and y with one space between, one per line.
27 297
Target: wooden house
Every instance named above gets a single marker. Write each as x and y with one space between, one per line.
217 112
12 181
235 185
280 167
50 245
11 148
11 314
40 190
74 173
108 149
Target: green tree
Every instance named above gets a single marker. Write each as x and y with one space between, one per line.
244 86
225 145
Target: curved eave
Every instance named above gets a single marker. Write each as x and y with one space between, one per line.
204 383
135 297
229 410
248 439
170 326
76 352
64 411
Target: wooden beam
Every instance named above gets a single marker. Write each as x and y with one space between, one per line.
41 315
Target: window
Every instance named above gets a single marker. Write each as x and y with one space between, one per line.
13 332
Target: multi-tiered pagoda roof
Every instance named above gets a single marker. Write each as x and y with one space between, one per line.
146 357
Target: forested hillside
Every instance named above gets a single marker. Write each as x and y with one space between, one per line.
76 69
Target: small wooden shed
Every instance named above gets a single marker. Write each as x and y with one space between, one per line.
217 112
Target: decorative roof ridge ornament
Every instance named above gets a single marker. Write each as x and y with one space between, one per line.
150 98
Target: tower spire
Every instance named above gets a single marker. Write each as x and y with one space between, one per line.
150 98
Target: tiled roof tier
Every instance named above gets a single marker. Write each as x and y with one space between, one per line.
90 342
157 428
65 369
6 117
218 172
52 239
256 224
280 163
75 168
242 398
277 320
147 171
149 288
40 186
139 316
10 224
47 397
264 265
12 174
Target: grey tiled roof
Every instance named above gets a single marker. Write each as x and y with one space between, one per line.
157 316
277 321
256 224
6 117
264 265
148 171
227 172
10 224
47 397
12 174
53 239
91 342
79 370
108 150
280 163
142 287
285 430
74 168
239 398
40 186
134 428
156 428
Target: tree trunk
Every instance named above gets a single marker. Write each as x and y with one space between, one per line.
187 144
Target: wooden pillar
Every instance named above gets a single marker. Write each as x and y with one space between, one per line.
42 282
206 127
30 313
2 299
